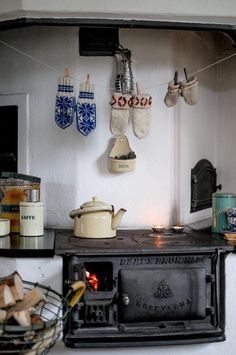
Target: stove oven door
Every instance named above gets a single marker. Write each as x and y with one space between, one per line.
162 294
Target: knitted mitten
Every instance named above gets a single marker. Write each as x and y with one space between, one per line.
189 90
86 108
65 101
172 95
141 113
120 113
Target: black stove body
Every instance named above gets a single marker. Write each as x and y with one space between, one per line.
145 288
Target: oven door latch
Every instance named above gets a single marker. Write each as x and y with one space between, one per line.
210 278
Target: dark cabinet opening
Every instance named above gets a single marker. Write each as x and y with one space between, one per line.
8 138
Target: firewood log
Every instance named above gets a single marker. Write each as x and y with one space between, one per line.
14 281
3 315
36 319
6 297
29 302
22 318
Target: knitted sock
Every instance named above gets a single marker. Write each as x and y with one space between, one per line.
172 95
120 113
189 91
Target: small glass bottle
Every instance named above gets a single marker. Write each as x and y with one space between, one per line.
31 214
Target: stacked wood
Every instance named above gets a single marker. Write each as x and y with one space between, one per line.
3 315
23 317
20 307
14 281
6 297
16 306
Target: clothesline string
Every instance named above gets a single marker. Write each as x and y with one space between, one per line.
39 61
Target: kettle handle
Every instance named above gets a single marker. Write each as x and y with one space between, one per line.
74 213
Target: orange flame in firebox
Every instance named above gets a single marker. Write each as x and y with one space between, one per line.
93 280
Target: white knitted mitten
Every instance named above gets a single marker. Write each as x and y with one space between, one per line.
141 113
120 111
172 94
189 91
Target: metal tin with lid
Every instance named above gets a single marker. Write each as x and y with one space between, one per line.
221 201
12 192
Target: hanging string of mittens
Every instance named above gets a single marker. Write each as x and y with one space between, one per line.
123 98
171 84
188 89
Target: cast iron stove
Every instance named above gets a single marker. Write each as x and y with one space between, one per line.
145 288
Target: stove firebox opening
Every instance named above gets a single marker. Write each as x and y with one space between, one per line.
99 275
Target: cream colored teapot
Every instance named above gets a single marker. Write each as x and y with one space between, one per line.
96 219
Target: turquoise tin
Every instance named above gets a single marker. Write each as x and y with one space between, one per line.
220 203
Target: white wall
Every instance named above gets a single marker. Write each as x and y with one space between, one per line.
227 123
73 168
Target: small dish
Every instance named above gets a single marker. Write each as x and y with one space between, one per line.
158 229
177 229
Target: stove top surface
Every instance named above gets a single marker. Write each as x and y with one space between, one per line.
140 241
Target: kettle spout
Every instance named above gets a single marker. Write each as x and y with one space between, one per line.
116 219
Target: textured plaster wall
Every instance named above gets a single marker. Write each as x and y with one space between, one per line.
73 168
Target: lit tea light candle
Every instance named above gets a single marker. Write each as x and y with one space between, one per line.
177 229
158 228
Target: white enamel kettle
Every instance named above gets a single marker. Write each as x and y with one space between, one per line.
96 219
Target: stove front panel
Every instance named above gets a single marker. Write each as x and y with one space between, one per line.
146 299
163 294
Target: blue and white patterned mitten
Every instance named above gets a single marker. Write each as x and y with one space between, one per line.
65 102
86 109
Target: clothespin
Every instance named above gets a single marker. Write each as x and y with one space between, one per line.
186 75
138 88
66 73
176 78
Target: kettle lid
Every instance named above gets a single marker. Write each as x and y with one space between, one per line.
95 202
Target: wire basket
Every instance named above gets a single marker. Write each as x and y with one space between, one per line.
38 339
